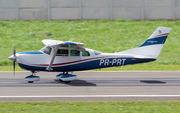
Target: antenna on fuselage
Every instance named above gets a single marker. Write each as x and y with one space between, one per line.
117 50
71 39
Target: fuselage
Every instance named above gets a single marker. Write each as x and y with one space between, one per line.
74 60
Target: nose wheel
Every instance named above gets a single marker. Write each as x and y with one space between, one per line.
32 78
30 81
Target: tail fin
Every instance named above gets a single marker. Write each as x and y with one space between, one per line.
152 46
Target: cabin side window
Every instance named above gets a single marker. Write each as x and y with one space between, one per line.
75 53
85 53
62 52
47 50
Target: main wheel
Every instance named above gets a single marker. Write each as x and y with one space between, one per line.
30 81
67 82
60 80
64 81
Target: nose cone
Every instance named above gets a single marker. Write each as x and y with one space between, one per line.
12 57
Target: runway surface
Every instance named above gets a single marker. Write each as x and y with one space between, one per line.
92 86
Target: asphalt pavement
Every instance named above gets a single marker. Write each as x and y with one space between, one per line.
92 86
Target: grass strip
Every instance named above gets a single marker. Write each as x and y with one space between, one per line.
91 107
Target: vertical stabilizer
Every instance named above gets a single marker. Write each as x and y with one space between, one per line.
151 48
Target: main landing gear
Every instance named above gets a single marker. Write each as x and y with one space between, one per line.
65 77
32 78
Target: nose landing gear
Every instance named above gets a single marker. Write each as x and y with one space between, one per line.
32 78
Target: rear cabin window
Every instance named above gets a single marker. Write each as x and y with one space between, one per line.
85 53
62 52
75 53
47 50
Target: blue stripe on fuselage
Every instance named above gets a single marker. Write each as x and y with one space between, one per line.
70 43
31 52
153 41
94 64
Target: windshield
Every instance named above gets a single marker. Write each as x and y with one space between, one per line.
47 50
97 52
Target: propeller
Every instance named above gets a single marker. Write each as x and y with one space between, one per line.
14 54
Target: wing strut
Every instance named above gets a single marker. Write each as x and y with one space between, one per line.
52 59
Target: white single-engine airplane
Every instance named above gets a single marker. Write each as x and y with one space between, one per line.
59 56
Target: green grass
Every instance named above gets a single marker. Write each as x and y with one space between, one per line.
102 35
90 107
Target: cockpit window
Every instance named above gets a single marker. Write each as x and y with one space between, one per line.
85 53
75 53
47 50
97 52
62 52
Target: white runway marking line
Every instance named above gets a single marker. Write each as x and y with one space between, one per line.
72 96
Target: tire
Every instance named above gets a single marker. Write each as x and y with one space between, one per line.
30 81
60 80
64 81
67 82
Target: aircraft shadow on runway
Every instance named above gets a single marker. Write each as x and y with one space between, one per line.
77 83
153 81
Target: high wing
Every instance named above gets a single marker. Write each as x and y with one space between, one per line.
61 44
73 45
49 42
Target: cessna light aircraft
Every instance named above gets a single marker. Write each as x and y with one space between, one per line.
59 56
